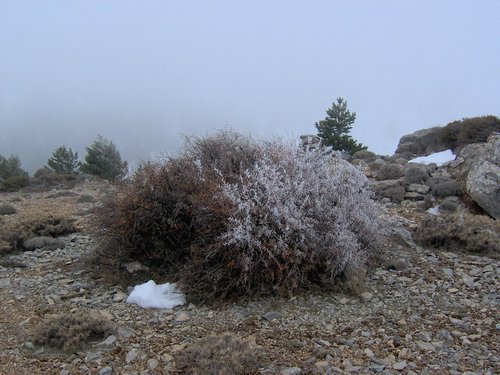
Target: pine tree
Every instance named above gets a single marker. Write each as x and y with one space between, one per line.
11 167
104 160
335 128
64 161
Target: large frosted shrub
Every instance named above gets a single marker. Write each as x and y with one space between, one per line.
232 217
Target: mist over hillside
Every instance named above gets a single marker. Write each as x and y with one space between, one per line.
142 75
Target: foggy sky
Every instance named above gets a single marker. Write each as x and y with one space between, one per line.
142 73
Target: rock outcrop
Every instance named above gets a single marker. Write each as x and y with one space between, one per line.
421 143
483 179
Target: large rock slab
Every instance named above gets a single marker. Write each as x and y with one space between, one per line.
483 180
421 143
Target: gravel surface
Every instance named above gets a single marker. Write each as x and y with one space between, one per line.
424 312
437 315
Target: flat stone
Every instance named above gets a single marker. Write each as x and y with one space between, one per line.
152 364
291 371
366 296
181 317
119 297
131 356
400 365
106 371
110 340
271 315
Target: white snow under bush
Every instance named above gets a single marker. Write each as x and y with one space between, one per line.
439 158
163 296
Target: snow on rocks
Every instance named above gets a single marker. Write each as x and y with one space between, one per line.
163 296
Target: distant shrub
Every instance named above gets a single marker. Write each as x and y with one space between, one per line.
475 234
232 217
72 332
104 160
64 161
11 167
223 354
458 134
14 183
12 176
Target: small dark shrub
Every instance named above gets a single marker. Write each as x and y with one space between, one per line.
46 243
7 209
444 186
391 189
415 175
11 263
72 332
390 172
14 183
232 217
461 233
86 198
224 355
457 134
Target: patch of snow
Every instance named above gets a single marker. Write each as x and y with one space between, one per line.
433 210
163 296
439 158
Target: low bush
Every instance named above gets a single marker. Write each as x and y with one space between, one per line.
14 183
460 232
72 332
231 217
223 354
458 134
44 225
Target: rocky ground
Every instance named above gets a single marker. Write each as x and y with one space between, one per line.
430 313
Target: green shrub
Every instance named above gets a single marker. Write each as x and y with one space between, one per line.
231 217
458 134
223 354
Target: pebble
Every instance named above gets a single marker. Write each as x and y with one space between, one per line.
291 371
131 356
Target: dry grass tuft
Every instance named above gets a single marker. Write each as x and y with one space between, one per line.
222 354
72 332
460 232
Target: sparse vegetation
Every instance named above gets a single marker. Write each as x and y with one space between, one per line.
72 332
232 217
458 134
460 232
18 232
104 160
222 354
64 161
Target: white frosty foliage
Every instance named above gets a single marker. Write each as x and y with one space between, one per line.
298 208
163 296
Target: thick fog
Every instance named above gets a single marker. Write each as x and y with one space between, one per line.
142 73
